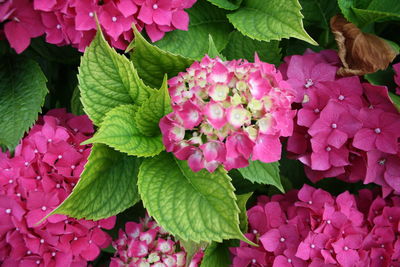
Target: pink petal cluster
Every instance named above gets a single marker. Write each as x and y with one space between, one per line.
310 227
343 127
226 112
146 244
72 22
42 173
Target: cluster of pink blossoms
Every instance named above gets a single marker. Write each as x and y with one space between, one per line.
343 127
72 22
226 113
146 244
312 228
45 168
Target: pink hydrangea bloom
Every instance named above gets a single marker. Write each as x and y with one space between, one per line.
147 244
71 22
225 113
45 168
310 227
342 125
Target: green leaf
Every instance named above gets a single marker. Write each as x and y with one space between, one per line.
76 104
263 173
270 20
197 206
242 201
152 110
317 13
107 186
191 248
396 100
227 4
120 132
216 254
365 12
205 19
240 46
107 80
152 63
212 50
22 93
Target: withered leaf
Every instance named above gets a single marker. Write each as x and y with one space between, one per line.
360 52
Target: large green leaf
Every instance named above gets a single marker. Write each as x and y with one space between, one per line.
227 4
197 206
152 110
216 254
364 12
242 201
107 80
270 20
205 19
263 173
240 46
120 132
153 63
22 92
107 186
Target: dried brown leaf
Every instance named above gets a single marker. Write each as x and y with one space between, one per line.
360 52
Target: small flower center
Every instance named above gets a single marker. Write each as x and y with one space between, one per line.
312 246
377 130
8 211
308 83
59 157
10 181
58 185
38 262
155 6
91 14
310 202
29 252
58 26
328 221
381 257
53 254
316 110
253 261
328 148
341 97
114 19
42 241
289 260
73 166
26 163
334 125
44 208
282 239
346 248
382 161
38 177
49 140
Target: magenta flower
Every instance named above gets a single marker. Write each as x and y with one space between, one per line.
225 113
147 244
379 131
45 168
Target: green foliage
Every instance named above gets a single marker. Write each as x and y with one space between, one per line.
318 13
22 93
212 49
107 80
205 19
227 4
197 206
120 132
191 248
242 201
270 20
240 46
152 63
263 173
364 12
216 254
76 104
107 186
152 110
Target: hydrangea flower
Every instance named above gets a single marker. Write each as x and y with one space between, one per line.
310 227
43 171
146 244
225 113
345 128
72 22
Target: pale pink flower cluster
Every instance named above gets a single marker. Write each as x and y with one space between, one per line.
72 22
146 244
311 227
42 173
343 127
227 112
